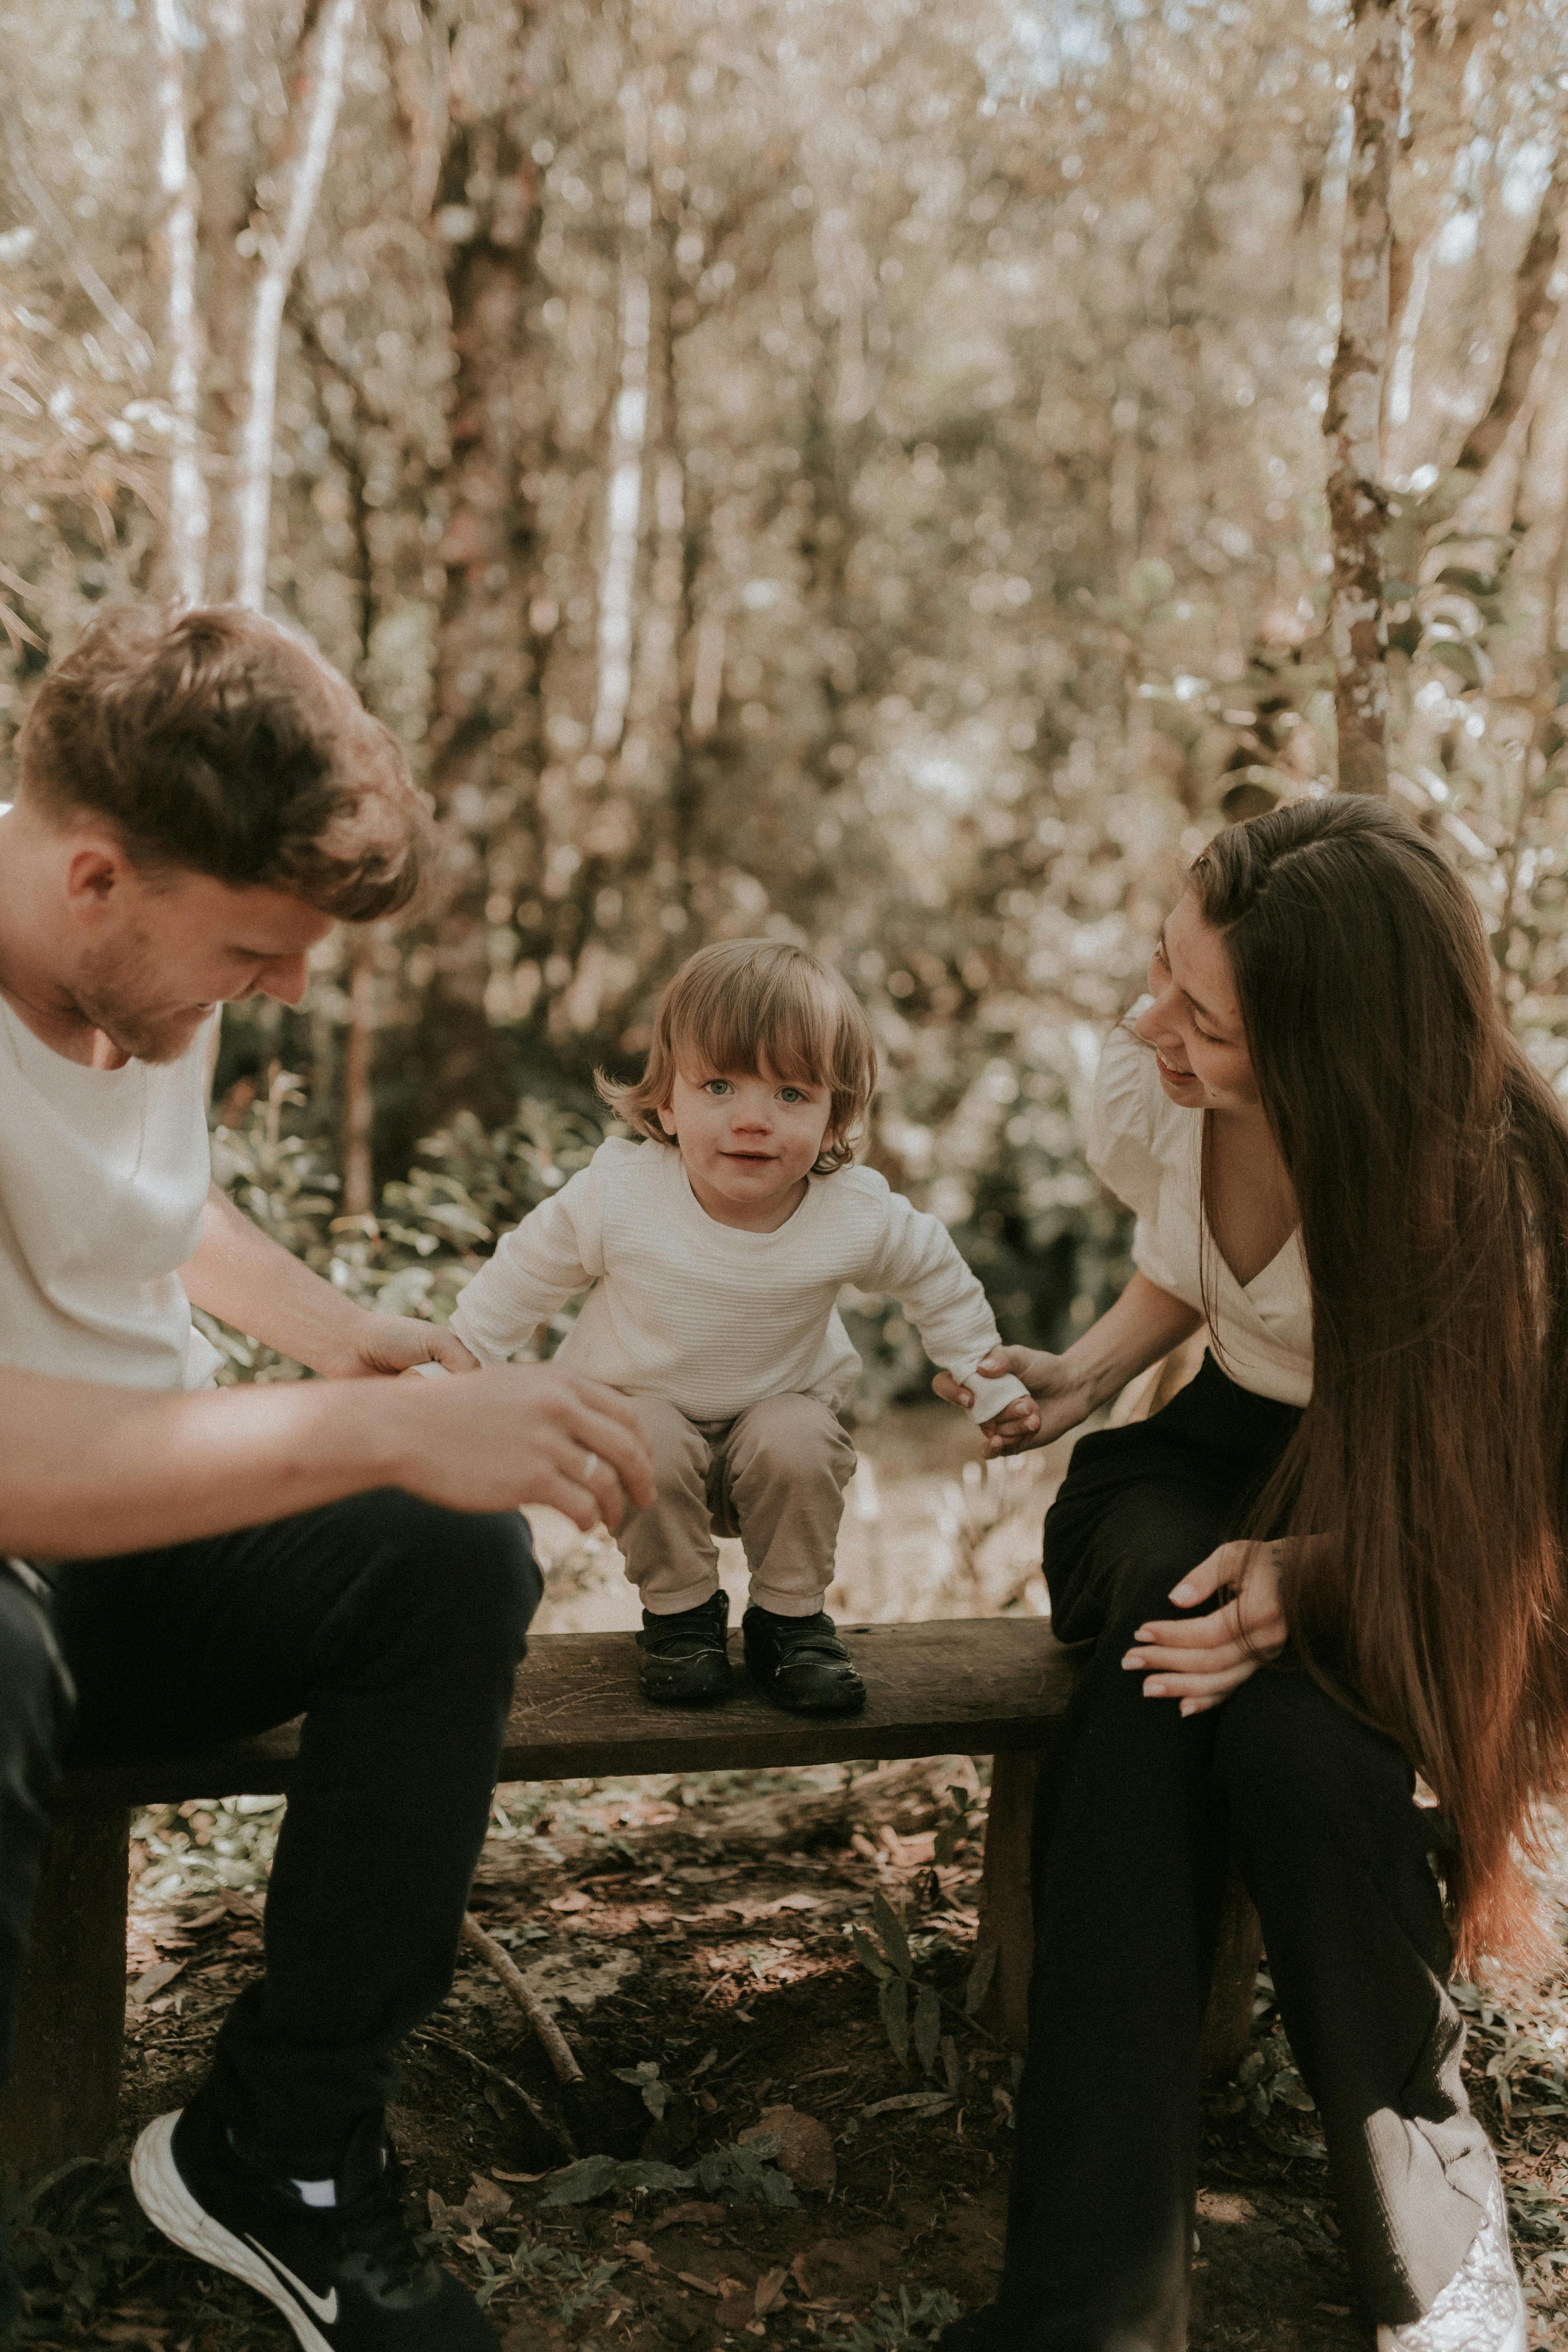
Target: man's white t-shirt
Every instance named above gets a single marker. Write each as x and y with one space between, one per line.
102 1178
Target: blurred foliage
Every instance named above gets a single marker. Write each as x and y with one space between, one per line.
849 474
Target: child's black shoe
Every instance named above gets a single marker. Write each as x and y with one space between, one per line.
800 1662
684 1662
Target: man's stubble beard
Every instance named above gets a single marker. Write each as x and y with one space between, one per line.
116 990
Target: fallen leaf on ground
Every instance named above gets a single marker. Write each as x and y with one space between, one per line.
769 2291
690 2278
152 1981
925 2102
697 2216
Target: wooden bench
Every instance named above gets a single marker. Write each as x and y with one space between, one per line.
984 1686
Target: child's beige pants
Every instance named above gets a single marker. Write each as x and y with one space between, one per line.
774 1477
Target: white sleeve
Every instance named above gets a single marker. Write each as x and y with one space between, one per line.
537 1267
919 1263
1123 1145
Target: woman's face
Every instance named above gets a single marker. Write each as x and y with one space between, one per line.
1195 1023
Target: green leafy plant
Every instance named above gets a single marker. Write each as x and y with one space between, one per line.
735 2175
915 2319
912 2012
656 2094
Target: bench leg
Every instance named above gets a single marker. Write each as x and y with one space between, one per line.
1006 1923
63 2098
1006 1920
1227 2025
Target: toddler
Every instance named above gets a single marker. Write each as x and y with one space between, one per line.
716 1250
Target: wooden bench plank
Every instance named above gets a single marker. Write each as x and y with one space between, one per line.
968 1685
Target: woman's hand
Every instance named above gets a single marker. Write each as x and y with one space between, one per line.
1201 1660
1058 1399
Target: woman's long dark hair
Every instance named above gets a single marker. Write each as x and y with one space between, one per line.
1430 1166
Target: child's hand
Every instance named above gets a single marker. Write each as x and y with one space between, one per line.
1012 1430
1059 1399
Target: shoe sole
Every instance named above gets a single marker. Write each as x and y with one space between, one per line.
160 2189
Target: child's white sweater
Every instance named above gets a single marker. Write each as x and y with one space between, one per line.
713 1319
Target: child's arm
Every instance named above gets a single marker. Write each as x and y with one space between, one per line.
537 1267
919 1264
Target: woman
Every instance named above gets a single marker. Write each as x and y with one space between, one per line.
1335 1560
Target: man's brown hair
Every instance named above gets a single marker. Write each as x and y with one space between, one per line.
752 1005
212 740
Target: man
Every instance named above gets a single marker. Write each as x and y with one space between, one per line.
198 800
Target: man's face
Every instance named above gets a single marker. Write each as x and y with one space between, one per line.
157 953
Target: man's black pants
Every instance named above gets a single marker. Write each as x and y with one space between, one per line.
1137 1815
395 1627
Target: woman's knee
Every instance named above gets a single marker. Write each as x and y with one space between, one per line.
1287 1752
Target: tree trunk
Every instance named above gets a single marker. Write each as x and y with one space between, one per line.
496 619
629 442
321 77
186 537
1358 624
226 150
1536 306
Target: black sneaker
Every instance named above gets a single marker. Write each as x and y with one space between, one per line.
800 1662
347 2278
684 1662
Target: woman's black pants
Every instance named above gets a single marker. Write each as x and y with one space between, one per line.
394 1628
1138 1815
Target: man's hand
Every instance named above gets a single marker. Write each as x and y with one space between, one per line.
1201 1660
386 1344
521 1433
1057 1399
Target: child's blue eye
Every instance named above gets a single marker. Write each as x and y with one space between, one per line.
715 1086
791 1095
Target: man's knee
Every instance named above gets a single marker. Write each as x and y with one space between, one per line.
36 1699
474 1570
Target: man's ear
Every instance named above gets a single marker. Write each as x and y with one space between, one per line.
96 873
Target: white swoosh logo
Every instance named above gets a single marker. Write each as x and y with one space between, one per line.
325 2307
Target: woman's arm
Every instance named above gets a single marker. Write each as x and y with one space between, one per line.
1145 1324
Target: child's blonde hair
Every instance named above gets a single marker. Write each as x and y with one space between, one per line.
744 1003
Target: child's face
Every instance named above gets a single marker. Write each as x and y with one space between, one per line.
749 1142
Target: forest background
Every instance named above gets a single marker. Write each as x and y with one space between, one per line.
889 476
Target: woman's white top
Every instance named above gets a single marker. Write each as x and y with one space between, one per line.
1148 1150
103 1177
714 1318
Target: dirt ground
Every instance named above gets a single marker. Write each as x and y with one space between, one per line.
723 1943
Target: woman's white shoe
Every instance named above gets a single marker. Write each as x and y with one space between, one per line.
1481 2308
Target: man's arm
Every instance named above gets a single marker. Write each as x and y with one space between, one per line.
87 1471
253 1283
